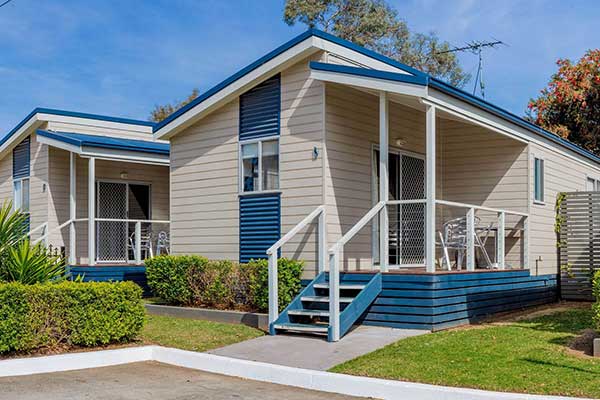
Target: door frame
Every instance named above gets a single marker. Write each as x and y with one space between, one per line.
125 182
375 199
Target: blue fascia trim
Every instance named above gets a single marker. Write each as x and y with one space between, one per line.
78 139
370 73
40 110
269 56
507 115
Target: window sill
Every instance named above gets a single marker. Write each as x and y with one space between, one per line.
257 193
539 203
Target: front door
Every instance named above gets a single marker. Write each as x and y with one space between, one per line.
407 221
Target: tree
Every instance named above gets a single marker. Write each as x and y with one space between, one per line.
570 105
375 25
161 112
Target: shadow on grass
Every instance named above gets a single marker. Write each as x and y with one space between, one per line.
572 321
563 366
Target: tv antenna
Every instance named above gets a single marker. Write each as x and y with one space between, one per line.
476 47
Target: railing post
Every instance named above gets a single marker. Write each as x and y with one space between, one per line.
138 243
322 241
72 208
273 290
92 211
334 296
471 239
500 240
526 242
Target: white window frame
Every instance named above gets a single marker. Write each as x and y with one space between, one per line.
258 141
541 201
595 183
17 204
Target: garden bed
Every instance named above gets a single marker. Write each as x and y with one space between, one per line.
525 355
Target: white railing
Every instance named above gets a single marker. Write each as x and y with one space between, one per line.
47 234
334 269
43 226
500 236
272 252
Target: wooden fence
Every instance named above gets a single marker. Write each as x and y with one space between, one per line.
578 217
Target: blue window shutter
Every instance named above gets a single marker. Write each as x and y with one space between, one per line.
260 110
21 159
260 225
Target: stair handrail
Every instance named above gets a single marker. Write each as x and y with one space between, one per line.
272 253
51 231
334 270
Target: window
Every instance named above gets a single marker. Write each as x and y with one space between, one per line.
260 165
21 195
538 180
592 185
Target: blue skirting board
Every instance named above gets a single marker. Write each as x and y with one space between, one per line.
115 273
439 301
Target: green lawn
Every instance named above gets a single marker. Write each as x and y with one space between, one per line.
195 335
525 356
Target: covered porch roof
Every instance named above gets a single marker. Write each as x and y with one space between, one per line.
107 147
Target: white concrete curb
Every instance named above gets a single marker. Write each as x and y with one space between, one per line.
297 377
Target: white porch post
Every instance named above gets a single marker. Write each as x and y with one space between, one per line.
92 211
72 207
383 181
500 240
430 189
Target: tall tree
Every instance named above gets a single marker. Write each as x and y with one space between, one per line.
377 26
570 105
160 112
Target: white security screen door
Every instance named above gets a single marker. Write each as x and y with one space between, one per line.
407 221
111 240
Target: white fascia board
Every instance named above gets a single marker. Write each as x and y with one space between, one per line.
58 144
407 89
228 93
95 122
33 123
356 57
494 122
124 156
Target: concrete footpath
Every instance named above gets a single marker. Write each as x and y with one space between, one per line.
312 352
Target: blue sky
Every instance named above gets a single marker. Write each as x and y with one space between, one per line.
122 57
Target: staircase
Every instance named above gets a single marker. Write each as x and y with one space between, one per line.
309 311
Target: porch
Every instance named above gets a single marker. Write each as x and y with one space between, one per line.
426 211
108 203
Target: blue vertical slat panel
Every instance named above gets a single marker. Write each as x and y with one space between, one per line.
260 225
21 159
260 110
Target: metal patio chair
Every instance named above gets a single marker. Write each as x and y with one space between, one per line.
163 243
453 236
145 243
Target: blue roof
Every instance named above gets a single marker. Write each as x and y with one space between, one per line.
52 111
107 142
426 80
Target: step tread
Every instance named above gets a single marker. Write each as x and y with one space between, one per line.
325 299
302 327
343 286
307 312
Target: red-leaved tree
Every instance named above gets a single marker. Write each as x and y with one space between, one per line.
570 105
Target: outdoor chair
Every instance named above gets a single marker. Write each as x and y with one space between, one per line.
145 243
453 236
163 243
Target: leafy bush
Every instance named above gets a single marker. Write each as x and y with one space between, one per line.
196 281
19 260
596 305
68 313
168 276
289 274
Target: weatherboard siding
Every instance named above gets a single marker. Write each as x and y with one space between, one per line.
101 128
6 184
562 174
38 185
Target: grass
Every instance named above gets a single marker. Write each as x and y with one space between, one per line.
528 356
195 335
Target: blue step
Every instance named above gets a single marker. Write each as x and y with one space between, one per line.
309 311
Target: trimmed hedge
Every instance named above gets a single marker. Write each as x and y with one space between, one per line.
198 282
68 314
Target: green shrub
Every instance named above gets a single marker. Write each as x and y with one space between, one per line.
289 274
196 281
596 305
168 276
68 313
